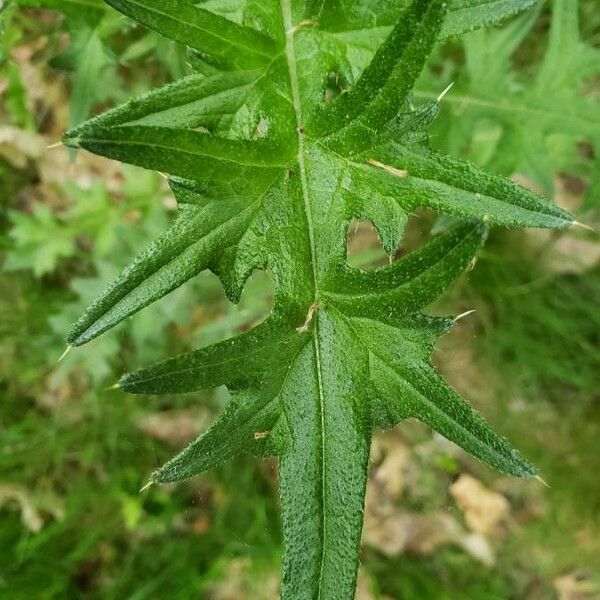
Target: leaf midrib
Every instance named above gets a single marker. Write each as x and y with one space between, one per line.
290 53
191 152
207 365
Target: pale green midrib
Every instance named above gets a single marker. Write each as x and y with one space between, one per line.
214 155
210 365
288 25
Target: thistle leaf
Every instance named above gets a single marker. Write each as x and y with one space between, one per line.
269 171
526 114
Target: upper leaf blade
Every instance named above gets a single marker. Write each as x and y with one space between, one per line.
182 252
385 83
182 152
466 15
192 102
232 45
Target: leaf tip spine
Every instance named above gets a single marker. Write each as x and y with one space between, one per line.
64 354
444 92
71 142
462 316
542 481
148 485
583 226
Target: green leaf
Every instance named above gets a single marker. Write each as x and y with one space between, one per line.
39 239
232 45
383 86
90 65
357 27
525 113
87 58
269 167
466 15
363 16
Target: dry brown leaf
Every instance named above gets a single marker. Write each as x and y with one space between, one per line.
47 94
362 235
404 532
32 507
576 586
201 524
391 456
572 254
484 510
18 146
238 583
569 191
392 530
176 428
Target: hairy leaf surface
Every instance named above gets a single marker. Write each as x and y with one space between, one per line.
276 144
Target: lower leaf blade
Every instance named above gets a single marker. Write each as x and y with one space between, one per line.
323 467
238 360
458 188
243 428
182 252
416 390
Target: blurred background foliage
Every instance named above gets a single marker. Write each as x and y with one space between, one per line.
73 454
